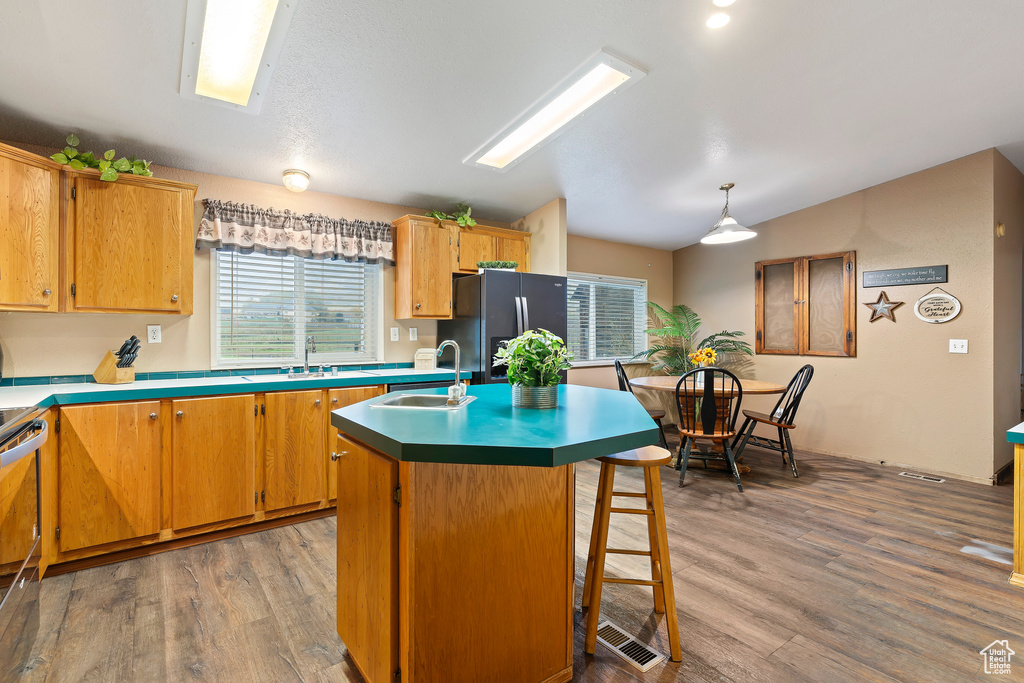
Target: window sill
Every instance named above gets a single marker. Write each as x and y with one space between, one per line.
604 363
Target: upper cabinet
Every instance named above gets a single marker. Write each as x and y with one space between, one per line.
129 244
428 252
29 231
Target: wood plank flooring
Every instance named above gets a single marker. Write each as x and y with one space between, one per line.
849 573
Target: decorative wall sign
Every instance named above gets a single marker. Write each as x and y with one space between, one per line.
924 275
937 306
883 308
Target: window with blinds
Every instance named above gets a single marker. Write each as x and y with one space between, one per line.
607 317
266 306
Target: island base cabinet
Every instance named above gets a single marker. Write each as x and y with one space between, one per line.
452 572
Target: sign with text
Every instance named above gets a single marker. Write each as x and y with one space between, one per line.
937 307
925 275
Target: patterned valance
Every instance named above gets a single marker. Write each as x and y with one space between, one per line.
246 228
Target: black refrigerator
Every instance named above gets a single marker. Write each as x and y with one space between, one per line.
496 306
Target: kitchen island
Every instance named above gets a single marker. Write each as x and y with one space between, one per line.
455 532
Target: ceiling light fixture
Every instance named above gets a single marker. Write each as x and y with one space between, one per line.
718 20
727 230
562 106
231 48
722 3
296 180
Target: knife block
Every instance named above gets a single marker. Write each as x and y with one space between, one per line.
107 371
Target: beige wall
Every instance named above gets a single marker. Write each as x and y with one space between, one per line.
547 227
73 343
1007 298
904 399
600 257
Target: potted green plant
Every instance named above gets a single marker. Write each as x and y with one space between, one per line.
534 360
674 351
462 215
497 265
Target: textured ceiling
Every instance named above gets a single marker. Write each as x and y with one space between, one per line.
796 101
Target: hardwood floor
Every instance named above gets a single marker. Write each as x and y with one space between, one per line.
848 573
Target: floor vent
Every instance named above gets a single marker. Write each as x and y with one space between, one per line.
628 647
922 477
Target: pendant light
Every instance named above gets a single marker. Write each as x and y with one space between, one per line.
727 230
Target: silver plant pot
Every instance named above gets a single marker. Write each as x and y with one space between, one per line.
534 397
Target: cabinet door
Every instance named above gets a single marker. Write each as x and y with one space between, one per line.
513 250
214 460
474 247
17 495
108 473
431 270
293 456
339 398
368 559
128 239
29 230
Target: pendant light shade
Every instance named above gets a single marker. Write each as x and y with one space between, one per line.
727 230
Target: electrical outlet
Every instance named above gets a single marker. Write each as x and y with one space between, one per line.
958 346
153 334
394 334
413 334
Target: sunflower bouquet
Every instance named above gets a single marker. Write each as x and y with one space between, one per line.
704 357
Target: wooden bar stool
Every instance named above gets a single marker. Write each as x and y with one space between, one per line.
650 458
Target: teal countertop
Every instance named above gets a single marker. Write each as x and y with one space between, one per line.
1015 434
588 423
46 395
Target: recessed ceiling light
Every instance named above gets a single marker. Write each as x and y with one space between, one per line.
296 180
723 3
562 106
231 48
718 20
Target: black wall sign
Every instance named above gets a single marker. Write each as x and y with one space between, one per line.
924 275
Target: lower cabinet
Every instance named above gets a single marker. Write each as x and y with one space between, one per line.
213 460
293 453
339 398
108 467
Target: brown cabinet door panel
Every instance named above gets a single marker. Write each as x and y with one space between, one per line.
514 250
214 460
29 233
108 473
128 246
294 452
473 248
431 270
339 398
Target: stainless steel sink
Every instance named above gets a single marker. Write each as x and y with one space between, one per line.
421 402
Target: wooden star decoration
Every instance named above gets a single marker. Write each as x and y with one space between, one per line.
883 308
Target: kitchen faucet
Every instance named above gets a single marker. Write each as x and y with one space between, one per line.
453 397
309 342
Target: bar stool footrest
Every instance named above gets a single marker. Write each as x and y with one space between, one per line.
621 551
633 511
633 582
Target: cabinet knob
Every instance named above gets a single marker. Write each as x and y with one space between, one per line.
174 298
316 402
334 400
337 456
418 305
46 292
152 416
181 413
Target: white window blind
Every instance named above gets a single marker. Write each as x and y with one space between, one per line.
607 317
266 306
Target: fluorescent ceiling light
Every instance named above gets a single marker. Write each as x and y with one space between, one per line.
562 106
723 3
231 48
718 20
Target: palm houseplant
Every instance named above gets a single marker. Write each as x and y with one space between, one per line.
677 349
534 360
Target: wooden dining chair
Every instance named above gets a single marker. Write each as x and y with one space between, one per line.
782 418
709 401
656 414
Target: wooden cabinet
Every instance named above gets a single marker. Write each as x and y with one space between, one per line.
293 453
339 398
512 249
29 231
108 473
129 244
213 460
423 268
483 243
473 247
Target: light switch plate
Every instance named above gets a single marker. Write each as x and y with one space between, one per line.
394 334
153 334
413 334
958 346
